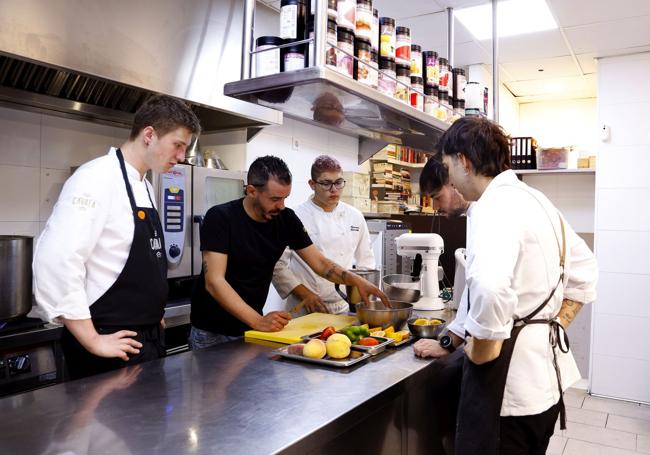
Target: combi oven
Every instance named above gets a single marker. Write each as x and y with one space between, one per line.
183 196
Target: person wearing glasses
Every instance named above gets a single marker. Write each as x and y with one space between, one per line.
100 267
337 229
241 241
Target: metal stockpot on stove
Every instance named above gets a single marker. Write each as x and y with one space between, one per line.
15 276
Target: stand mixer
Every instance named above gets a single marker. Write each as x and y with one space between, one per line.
428 247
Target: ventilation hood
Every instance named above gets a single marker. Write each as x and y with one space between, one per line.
101 62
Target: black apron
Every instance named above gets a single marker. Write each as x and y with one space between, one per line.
482 386
136 301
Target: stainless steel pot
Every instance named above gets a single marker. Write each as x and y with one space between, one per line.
15 276
352 295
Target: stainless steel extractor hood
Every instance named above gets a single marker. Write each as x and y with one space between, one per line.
101 60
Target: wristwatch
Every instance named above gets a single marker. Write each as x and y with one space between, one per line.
447 343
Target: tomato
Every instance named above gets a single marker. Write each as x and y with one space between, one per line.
325 334
368 341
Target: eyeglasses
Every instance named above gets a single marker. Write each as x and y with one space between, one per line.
328 184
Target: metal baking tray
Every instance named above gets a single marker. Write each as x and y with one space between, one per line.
372 350
403 342
353 358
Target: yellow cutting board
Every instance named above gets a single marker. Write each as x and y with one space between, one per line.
304 325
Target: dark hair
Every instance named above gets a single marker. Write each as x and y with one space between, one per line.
434 176
482 141
324 163
266 167
164 114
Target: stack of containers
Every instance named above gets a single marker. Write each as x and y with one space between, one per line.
363 71
387 69
345 31
293 27
384 54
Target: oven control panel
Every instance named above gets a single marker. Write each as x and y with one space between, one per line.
173 210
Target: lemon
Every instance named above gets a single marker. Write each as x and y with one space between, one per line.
421 321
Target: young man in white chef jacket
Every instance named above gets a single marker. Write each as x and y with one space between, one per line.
337 229
528 274
100 266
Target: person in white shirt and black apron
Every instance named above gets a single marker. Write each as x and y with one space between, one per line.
100 266
337 229
527 276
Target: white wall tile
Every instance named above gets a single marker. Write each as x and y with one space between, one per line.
628 123
313 135
643 444
560 123
20 137
573 195
52 181
623 80
343 144
21 185
623 251
619 377
580 336
635 330
621 209
623 294
623 167
67 143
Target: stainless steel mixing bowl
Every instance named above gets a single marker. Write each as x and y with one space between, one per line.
377 315
402 288
426 331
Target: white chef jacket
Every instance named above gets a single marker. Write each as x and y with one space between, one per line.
342 236
87 239
512 266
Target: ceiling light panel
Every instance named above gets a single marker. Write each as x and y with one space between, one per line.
515 17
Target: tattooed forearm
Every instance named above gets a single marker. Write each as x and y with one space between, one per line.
335 274
568 312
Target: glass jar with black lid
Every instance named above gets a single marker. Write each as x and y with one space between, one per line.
293 19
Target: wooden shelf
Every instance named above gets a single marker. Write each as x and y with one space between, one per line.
555 171
399 163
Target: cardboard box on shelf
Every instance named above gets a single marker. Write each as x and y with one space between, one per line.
361 203
357 184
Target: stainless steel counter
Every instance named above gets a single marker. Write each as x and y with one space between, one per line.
230 399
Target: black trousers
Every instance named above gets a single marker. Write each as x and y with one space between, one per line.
528 435
81 363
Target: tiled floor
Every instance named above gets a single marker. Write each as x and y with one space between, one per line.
599 426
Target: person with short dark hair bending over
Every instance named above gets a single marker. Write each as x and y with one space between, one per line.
241 241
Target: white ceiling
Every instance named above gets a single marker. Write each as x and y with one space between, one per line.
587 29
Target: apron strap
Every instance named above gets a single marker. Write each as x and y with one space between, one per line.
129 191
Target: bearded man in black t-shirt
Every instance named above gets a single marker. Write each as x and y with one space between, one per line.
241 241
